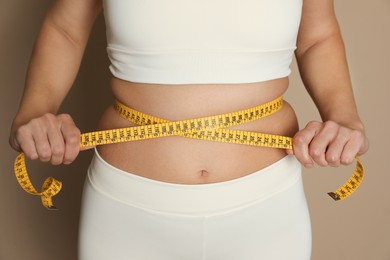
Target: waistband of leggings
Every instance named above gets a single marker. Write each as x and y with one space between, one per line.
210 198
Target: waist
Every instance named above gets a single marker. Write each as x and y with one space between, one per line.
211 198
178 102
181 160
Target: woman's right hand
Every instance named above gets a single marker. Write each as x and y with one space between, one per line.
49 138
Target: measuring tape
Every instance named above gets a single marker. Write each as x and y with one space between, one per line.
212 128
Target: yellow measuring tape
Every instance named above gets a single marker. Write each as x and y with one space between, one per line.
212 128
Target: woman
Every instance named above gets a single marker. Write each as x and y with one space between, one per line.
181 198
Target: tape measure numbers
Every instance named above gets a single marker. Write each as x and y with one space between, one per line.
212 128
351 185
50 186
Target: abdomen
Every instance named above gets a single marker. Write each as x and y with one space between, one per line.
183 160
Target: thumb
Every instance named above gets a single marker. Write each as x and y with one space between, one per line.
14 143
290 151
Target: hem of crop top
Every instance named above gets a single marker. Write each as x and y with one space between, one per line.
200 66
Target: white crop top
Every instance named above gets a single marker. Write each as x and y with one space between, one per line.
201 41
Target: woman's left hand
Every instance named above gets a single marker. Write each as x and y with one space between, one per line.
328 143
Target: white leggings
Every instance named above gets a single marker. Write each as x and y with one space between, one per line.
263 215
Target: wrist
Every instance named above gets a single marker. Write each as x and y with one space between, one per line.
352 122
355 125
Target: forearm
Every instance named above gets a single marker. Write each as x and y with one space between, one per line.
325 74
53 67
324 70
56 57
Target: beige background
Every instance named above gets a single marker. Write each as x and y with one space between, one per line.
357 228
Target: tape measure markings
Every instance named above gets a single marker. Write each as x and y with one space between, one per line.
210 128
352 184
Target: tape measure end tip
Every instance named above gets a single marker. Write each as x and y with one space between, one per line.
334 196
52 208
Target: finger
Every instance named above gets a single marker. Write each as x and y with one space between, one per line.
71 135
42 145
14 142
319 144
352 147
365 145
301 143
290 151
57 146
336 147
26 143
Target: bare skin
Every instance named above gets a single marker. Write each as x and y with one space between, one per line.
182 160
43 135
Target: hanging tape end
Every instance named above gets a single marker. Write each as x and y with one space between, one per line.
334 196
48 203
52 208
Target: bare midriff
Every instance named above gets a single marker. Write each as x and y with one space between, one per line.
183 160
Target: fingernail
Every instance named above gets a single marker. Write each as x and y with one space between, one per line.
34 156
308 165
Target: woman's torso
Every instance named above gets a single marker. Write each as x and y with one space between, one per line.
195 59
183 160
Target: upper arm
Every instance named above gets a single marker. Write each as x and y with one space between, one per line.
74 18
318 24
